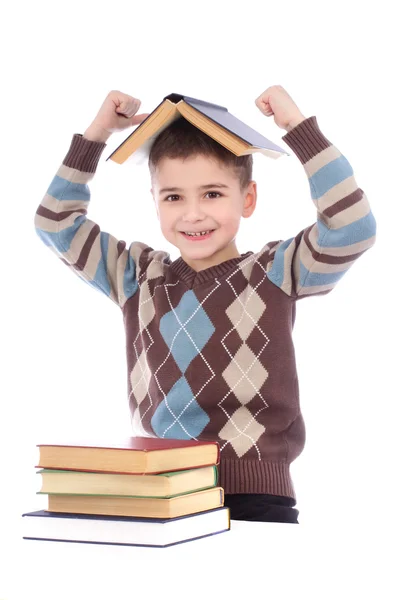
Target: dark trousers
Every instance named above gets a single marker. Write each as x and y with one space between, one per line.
262 507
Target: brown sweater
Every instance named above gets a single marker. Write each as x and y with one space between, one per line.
210 354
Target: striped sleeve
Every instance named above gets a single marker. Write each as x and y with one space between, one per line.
95 256
313 262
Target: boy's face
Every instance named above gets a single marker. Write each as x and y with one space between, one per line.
193 208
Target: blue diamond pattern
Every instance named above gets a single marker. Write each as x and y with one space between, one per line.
199 328
192 421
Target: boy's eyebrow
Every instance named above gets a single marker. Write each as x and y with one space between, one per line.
202 187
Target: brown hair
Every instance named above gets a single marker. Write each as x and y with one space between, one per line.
181 140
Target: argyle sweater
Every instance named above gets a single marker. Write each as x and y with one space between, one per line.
210 354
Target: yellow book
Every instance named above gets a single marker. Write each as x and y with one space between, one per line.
165 485
125 506
214 120
137 455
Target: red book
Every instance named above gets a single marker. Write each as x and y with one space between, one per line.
137 455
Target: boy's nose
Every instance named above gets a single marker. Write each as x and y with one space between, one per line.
193 213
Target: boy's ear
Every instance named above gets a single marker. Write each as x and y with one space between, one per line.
250 200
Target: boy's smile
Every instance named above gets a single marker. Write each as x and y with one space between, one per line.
199 204
197 236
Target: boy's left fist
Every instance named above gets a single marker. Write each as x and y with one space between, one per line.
276 101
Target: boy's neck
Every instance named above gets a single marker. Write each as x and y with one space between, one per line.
215 259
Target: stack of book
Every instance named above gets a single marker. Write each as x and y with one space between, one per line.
142 491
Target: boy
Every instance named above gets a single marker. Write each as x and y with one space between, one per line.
209 335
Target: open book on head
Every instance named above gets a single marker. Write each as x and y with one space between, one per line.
216 121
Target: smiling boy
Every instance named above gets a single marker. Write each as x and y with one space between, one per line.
209 344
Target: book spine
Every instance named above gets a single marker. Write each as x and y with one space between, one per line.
215 475
218 454
194 101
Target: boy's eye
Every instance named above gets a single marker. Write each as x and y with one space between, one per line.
176 196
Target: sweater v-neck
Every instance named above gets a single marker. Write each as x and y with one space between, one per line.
192 277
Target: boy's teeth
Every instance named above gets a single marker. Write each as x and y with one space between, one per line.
201 232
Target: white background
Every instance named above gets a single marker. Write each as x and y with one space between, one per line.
62 343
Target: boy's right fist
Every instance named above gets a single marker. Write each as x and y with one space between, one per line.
118 112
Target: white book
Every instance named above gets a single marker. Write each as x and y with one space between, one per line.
130 531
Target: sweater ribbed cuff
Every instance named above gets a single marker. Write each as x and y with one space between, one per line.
238 476
306 139
83 154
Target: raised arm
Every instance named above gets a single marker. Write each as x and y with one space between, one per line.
100 259
313 262
316 259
